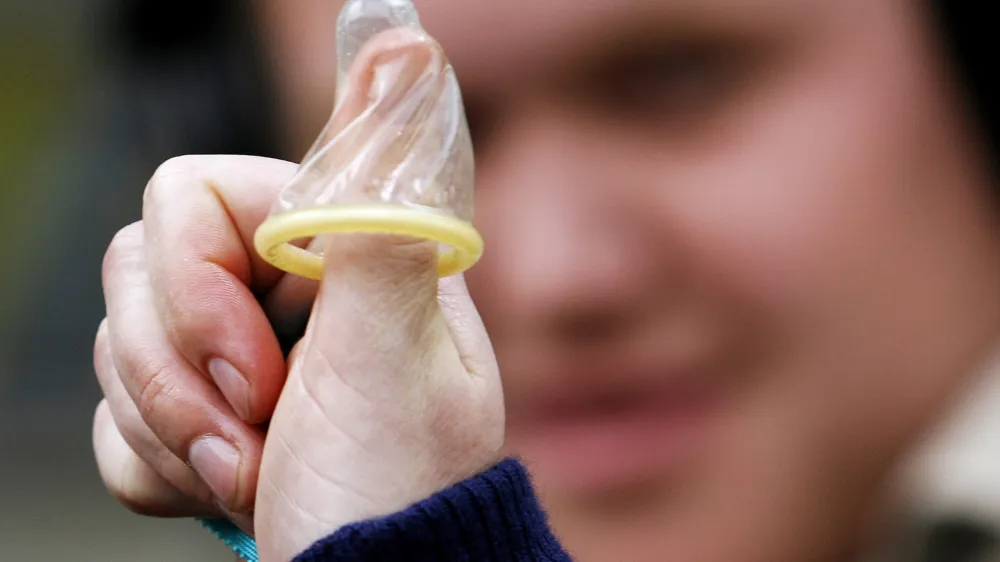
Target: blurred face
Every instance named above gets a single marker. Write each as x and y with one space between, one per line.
739 254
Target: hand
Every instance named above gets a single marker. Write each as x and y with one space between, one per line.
392 394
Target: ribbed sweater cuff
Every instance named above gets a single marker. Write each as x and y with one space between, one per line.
492 517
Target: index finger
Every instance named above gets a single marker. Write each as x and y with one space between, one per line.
200 214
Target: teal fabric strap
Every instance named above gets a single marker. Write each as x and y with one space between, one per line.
240 543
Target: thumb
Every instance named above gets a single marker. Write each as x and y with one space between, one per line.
383 318
393 394
382 308
377 316
377 311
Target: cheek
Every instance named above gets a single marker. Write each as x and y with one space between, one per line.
814 206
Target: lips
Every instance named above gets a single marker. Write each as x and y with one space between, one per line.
596 441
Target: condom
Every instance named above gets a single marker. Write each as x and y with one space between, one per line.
394 158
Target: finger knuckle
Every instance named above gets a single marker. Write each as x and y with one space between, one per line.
101 416
102 343
101 339
125 248
156 392
164 178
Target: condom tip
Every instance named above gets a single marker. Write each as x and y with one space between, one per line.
388 12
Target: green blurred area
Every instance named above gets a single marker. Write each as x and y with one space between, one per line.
43 70
53 505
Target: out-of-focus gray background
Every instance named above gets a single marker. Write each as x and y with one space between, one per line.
93 94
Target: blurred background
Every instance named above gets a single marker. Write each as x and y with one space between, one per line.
93 95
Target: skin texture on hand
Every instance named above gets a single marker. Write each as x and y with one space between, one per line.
392 396
393 393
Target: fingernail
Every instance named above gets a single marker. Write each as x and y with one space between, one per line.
217 463
233 384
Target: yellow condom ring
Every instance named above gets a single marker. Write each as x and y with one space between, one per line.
464 243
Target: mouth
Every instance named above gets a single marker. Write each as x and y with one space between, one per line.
599 441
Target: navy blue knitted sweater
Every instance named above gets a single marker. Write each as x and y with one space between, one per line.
492 517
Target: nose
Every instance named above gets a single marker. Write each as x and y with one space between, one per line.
565 256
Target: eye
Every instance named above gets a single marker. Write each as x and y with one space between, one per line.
678 84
